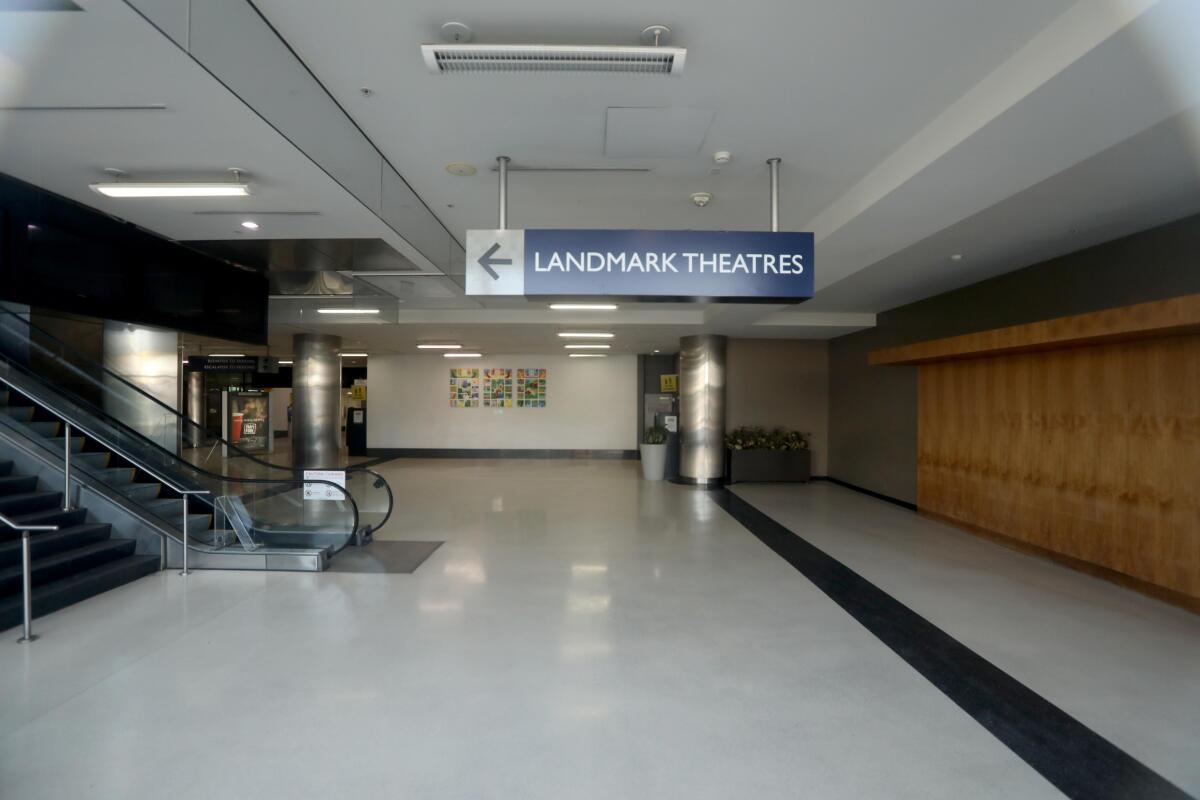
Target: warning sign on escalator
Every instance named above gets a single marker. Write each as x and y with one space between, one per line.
323 491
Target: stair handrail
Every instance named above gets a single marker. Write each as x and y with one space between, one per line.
220 440
26 576
136 389
168 482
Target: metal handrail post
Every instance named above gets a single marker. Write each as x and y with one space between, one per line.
67 468
27 634
185 570
26 575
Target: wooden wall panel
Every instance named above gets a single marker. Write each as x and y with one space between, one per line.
1090 452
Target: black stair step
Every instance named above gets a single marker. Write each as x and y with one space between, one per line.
50 568
62 593
54 516
171 509
6 467
18 484
28 502
47 543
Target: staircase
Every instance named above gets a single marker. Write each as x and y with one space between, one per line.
113 471
79 560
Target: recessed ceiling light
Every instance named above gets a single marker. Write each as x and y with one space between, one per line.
956 257
589 355
462 355
347 310
226 355
585 335
461 169
657 351
354 355
587 346
171 189
439 347
250 225
185 361
583 306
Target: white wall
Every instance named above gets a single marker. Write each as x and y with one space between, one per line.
780 383
591 404
280 398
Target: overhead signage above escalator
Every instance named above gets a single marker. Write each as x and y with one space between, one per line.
729 266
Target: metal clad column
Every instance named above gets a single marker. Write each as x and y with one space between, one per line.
702 409
316 400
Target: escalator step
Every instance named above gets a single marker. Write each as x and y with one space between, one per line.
116 476
64 592
140 491
77 443
20 413
49 428
95 460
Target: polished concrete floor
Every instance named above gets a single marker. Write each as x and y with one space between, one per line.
584 634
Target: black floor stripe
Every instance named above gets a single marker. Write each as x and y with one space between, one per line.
1078 761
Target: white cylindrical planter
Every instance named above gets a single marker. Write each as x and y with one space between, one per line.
654 461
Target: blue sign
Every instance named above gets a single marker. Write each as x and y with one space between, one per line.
718 265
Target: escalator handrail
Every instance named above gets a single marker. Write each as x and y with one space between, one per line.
134 388
138 390
173 485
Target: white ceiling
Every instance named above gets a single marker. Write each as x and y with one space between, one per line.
1008 132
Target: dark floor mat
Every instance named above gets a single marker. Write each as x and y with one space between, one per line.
384 557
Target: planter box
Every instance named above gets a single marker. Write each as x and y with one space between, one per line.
767 466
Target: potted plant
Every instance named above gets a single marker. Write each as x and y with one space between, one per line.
756 454
654 453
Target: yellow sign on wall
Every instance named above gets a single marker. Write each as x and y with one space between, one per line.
668 383
358 393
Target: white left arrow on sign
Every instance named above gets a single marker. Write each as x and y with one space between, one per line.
495 262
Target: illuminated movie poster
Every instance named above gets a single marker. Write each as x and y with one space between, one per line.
464 387
531 388
497 387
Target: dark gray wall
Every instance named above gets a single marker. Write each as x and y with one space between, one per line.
873 410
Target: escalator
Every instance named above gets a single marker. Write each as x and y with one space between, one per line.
243 512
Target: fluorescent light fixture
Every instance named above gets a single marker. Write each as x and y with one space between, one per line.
584 335
284 362
121 189
439 347
354 355
583 306
226 355
347 310
589 355
250 225
462 355
587 346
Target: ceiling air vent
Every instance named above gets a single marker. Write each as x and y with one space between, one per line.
460 57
